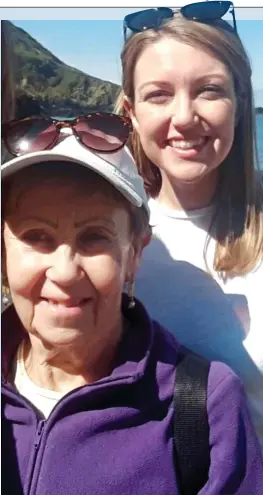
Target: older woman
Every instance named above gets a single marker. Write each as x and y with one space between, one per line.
187 87
88 378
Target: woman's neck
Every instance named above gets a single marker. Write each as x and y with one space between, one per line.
178 195
64 368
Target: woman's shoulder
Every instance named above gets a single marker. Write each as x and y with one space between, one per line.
225 391
221 376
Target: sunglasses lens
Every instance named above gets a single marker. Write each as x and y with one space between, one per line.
205 11
30 135
148 19
103 132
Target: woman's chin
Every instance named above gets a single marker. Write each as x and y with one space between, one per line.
62 333
64 343
186 169
189 172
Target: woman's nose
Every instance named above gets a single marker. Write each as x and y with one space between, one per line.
184 114
64 268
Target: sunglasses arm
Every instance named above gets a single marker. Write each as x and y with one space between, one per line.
124 30
234 18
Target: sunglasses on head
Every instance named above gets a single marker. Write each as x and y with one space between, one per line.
102 132
201 11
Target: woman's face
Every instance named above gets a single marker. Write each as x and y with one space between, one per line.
68 254
184 109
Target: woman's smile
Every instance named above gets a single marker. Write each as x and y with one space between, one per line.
68 309
188 149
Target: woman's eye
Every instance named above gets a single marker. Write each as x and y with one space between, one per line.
157 96
211 90
38 237
91 238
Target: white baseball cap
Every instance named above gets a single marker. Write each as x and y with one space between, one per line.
117 168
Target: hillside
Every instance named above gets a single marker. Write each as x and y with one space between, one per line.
43 81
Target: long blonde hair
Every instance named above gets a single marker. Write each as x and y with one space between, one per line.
238 219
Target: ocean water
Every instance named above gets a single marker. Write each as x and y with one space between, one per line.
260 139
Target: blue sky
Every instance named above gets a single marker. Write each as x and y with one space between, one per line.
94 46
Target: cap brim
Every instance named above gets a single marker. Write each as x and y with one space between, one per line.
88 159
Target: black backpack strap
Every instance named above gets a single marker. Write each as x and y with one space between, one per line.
191 428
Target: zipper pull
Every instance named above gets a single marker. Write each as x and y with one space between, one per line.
39 433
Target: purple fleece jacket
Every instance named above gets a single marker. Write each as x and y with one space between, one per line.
114 437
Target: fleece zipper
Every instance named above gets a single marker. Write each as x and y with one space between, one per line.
44 425
35 462
10 391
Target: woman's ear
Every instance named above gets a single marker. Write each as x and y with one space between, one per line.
4 278
3 253
133 261
147 239
129 109
136 251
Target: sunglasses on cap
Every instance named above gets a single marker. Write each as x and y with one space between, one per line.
201 12
102 132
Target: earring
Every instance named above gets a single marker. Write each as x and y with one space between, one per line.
6 298
130 292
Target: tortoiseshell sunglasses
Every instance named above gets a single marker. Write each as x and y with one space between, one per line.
102 132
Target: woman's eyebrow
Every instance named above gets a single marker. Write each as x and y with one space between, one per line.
163 83
36 218
54 225
89 220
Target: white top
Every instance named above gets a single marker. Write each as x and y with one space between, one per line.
42 398
177 292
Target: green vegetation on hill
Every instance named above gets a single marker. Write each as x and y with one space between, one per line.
44 83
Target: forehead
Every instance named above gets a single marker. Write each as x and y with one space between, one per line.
169 57
61 194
